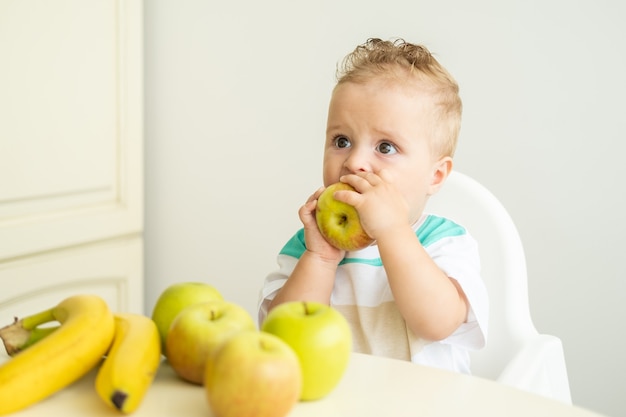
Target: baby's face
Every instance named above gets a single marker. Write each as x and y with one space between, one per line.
375 126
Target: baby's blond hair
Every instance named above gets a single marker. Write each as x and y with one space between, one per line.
400 60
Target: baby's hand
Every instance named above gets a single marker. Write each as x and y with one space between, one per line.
380 204
314 240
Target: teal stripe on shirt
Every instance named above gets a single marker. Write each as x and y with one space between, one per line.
436 228
295 247
432 230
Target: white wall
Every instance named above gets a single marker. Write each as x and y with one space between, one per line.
236 96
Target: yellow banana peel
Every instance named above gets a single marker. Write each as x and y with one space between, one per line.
61 357
131 363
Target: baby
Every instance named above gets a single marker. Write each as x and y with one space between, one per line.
416 292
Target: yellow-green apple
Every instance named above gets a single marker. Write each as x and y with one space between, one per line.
339 222
198 330
321 338
175 298
253 374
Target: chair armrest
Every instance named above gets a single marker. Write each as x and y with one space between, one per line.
539 367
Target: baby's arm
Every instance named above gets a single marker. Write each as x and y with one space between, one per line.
432 304
314 275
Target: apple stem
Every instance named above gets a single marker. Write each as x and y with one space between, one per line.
306 308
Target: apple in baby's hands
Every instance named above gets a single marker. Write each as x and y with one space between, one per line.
198 331
339 222
175 298
253 374
321 338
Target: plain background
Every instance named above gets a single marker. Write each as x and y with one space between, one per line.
236 98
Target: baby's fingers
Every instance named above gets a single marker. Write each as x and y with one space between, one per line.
318 192
307 212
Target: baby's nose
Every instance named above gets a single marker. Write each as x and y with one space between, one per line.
357 162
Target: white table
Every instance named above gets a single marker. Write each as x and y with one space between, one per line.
372 386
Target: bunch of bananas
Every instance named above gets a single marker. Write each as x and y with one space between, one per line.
125 346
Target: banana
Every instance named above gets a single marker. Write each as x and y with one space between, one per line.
131 363
62 357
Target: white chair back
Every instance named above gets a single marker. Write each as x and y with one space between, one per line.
515 354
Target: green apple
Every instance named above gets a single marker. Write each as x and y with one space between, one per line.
339 222
175 298
198 330
321 338
253 374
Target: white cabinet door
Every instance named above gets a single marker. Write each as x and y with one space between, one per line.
108 269
71 143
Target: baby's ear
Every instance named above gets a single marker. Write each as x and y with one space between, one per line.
441 170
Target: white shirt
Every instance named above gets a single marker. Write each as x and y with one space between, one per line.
362 294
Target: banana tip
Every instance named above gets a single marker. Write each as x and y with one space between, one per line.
118 399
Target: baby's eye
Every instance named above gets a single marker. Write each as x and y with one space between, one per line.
386 148
342 142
